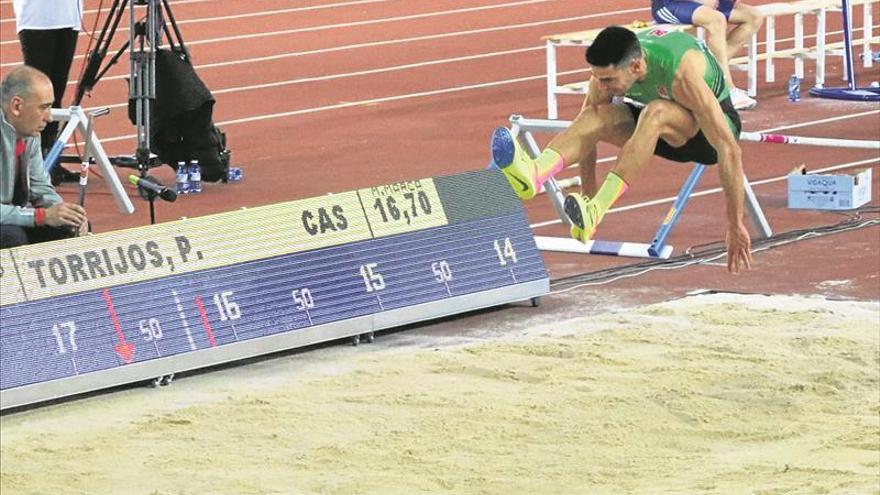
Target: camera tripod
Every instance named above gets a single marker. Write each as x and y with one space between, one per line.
145 37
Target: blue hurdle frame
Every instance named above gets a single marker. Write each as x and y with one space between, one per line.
523 128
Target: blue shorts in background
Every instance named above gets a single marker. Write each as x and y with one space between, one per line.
682 11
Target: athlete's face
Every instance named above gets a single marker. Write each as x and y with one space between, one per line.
617 80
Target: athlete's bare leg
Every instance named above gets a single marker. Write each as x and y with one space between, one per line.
612 123
659 119
747 20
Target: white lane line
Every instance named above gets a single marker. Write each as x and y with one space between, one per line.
380 70
367 22
333 49
370 22
383 42
230 17
822 121
454 89
370 101
373 44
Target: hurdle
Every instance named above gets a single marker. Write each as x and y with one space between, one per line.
524 129
75 118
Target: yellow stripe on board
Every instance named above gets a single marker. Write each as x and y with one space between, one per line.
144 253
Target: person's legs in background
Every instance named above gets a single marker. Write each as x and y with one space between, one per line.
39 48
51 51
747 20
714 21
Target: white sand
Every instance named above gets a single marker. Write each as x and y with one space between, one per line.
719 394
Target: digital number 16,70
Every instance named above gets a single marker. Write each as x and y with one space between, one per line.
418 203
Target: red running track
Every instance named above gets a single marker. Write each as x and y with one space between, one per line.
328 96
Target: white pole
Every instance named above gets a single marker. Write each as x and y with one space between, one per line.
759 137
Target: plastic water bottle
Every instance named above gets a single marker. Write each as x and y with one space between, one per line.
234 174
195 177
794 88
182 178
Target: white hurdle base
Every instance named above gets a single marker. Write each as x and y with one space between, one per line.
554 188
608 248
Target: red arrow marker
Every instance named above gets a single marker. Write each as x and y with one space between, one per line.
123 348
207 324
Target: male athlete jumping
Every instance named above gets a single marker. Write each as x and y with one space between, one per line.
685 114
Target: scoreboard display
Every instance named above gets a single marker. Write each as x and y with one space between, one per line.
114 308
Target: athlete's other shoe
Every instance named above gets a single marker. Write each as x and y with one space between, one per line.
584 216
741 99
520 170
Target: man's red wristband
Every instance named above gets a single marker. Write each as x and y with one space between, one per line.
39 216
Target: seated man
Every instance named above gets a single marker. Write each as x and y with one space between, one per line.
687 117
714 16
30 209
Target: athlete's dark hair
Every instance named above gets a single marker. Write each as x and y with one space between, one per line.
615 46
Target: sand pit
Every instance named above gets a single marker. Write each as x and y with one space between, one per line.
719 394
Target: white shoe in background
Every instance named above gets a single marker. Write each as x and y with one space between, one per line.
741 100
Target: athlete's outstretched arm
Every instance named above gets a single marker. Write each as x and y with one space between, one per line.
693 93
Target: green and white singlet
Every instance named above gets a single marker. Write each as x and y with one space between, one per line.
663 52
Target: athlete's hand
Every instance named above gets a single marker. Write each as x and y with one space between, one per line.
65 215
738 248
596 97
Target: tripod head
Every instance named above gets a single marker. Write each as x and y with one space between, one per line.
144 38
156 13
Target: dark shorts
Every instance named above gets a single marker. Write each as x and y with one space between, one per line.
16 235
682 11
697 149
